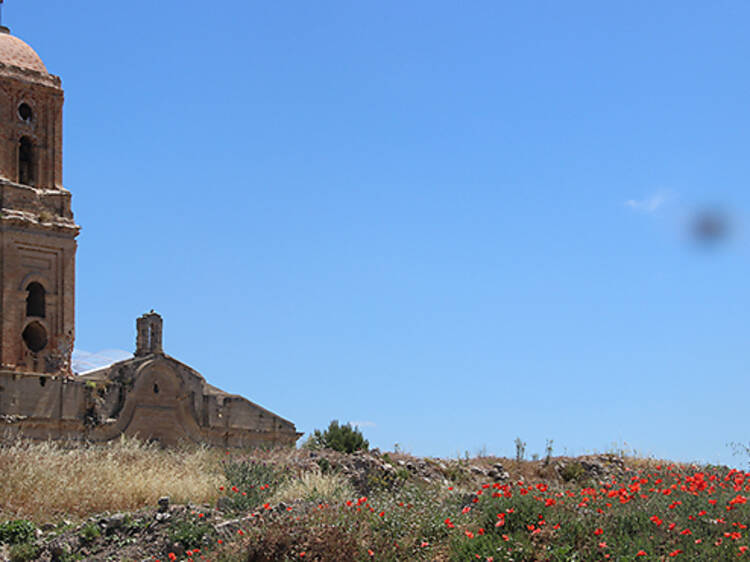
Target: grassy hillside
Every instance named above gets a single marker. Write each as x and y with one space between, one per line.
102 503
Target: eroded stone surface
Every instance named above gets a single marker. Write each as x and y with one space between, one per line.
152 396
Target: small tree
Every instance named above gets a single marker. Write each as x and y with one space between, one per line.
342 438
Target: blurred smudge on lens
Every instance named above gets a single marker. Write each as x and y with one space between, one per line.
709 226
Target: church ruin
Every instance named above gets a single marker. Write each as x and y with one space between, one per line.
151 395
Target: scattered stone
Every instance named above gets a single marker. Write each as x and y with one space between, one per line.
161 517
113 522
498 475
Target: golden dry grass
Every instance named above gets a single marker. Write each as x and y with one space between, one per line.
46 481
315 486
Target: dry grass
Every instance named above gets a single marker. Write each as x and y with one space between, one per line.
46 481
316 487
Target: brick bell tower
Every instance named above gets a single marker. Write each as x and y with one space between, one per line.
37 230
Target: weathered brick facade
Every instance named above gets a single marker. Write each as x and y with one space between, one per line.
151 395
37 231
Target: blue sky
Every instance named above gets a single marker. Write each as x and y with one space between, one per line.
453 223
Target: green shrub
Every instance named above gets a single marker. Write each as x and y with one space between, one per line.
68 556
18 531
89 532
572 471
25 552
190 533
342 438
325 466
251 482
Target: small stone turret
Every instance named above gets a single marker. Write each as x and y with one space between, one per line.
148 339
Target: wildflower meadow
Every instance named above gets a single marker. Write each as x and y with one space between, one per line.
324 505
660 512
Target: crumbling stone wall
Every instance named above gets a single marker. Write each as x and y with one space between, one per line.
154 397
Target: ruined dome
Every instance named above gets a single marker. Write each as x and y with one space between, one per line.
14 51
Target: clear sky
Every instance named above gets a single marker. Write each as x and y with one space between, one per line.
453 223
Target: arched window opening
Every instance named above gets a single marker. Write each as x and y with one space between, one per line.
24 112
35 337
35 300
26 161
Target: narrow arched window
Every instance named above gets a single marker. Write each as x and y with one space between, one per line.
35 300
26 161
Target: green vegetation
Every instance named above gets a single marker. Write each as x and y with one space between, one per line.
17 531
19 534
25 552
342 438
191 532
286 504
653 513
250 482
89 532
572 472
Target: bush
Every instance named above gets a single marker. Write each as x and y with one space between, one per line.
89 533
251 482
342 438
23 552
190 533
572 472
18 531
